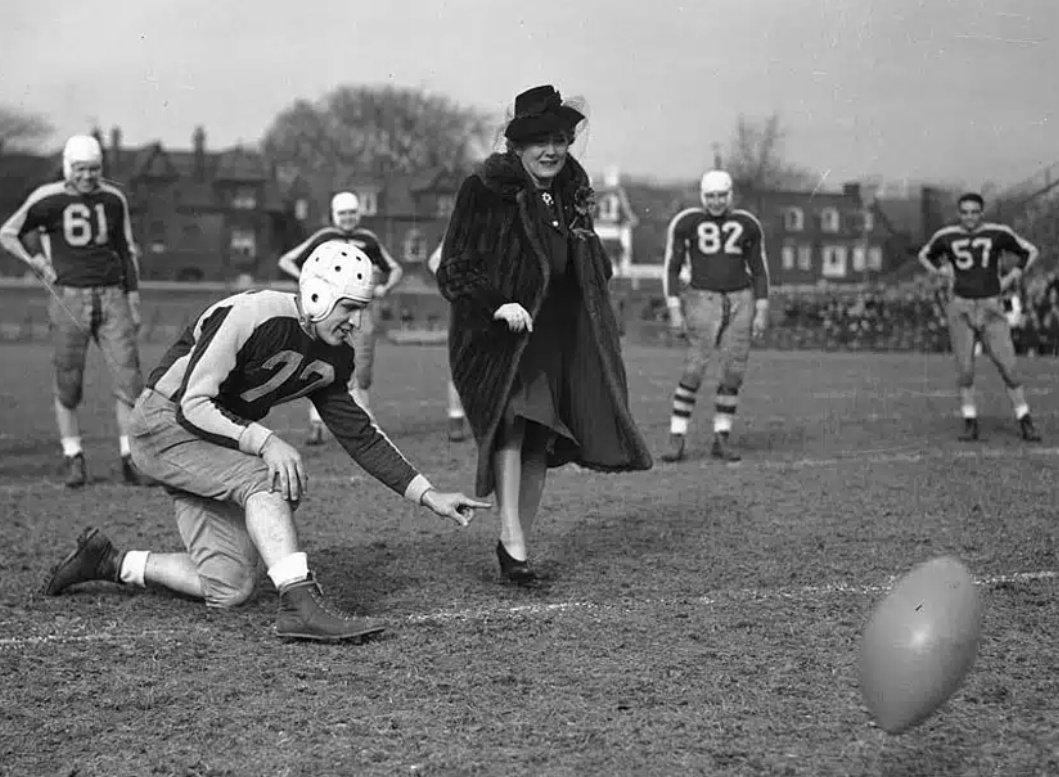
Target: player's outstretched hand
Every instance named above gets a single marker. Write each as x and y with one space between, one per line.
285 469
456 506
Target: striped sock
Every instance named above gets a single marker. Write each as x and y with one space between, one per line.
683 405
724 406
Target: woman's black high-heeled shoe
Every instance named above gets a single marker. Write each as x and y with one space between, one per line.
518 572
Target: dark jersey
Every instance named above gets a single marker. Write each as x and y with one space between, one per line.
87 237
249 353
975 256
726 253
364 239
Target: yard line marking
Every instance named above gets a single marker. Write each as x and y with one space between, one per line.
544 609
895 455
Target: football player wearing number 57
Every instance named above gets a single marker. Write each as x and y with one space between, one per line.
90 260
234 482
970 252
723 307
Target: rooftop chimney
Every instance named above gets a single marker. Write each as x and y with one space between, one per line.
198 141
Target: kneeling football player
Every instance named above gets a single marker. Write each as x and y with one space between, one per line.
234 482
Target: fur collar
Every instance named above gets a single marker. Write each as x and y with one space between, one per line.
504 175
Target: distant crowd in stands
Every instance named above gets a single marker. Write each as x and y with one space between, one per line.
905 317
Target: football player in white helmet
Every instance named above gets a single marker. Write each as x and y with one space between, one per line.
724 306
234 482
345 225
90 263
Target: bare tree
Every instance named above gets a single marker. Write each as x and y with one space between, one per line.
19 129
370 131
756 161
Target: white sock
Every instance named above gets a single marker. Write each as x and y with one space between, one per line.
722 422
123 444
458 414
292 569
133 567
71 446
967 406
678 425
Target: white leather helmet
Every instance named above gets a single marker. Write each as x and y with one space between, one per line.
80 148
715 182
343 201
334 271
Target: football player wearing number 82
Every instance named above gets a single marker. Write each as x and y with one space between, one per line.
723 307
968 256
89 257
234 482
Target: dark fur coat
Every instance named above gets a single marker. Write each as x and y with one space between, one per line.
493 254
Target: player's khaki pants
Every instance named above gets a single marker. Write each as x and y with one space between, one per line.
364 350
210 485
99 313
982 320
718 321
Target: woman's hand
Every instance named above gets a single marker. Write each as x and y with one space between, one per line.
516 317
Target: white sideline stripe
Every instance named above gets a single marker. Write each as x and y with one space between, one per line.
741 595
882 456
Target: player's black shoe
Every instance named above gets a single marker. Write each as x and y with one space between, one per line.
95 558
676 448
132 476
721 449
316 434
970 430
305 614
457 430
1028 430
74 468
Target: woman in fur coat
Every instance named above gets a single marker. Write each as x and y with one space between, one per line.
533 341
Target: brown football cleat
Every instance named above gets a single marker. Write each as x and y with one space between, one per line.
95 558
676 448
305 614
721 449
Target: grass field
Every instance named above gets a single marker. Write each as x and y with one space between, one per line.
703 620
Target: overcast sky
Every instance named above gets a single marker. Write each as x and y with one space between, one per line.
949 90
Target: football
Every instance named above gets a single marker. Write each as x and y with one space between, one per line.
920 643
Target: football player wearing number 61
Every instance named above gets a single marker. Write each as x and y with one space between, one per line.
969 253
234 482
723 307
90 262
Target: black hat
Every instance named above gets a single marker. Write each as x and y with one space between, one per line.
540 111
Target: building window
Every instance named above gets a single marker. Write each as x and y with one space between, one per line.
829 220
369 203
860 258
805 257
869 221
833 264
787 254
245 198
875 258
609 209
793 220
415 246
244 242
446 204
